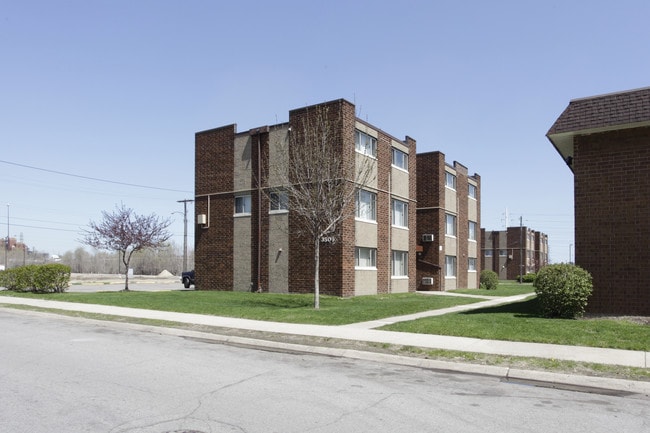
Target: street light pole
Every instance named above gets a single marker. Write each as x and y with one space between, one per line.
185 202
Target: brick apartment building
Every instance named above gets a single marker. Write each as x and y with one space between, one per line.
514 251
448 224
605 141
245 240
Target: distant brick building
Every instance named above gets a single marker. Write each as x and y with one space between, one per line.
605 140
514 251
246 241
448 224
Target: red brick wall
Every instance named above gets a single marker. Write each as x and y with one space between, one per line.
213 246
430 217
612 206
335 276
413 233
384 213
462 236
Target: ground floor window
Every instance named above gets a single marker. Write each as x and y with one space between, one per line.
366 257
450 266
400 264
471 264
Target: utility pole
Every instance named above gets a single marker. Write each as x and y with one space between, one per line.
185 202
7 244
521 249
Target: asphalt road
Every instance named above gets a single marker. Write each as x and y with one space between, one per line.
60 374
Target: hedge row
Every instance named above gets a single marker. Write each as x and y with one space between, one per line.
50 278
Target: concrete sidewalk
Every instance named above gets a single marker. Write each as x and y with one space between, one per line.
364 332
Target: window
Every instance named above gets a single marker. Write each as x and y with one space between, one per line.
488 253
400 264
471 264
450 266
400 213
450 180
473 191
450 225
503 253
366 205
365 144
366 257
472 231
243 205
279 201
400 159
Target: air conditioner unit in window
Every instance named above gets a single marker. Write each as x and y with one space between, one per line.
427 238
427 281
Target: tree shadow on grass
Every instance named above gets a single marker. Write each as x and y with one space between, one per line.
285 302
528 308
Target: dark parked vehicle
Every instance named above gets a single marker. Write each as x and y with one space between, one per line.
188 279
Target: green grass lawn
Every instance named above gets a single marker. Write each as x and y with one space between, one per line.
512 322
505 288
520 322
292 308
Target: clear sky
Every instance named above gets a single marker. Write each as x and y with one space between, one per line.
115 90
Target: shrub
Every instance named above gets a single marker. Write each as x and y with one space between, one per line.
53 277
36 278
563 290
17 279
527 278
489 280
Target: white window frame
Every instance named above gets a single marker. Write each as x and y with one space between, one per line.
488 253
472 191
400 159
503 253
400 214
245 200
472 227
365 144
450 218
471 264
278 202
450 266
450 180
365 258
366 206
400 264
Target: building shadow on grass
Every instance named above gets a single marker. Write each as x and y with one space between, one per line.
527 308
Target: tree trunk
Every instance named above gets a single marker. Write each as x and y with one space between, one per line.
126 271
316 274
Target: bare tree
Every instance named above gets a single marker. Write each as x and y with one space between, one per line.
126 232
320 177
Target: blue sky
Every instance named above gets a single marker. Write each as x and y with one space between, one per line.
115 90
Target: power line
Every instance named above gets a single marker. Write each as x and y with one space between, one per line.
92 178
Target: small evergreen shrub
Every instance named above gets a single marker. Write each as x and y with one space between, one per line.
489 280
50 278
53 277
563 290
527 278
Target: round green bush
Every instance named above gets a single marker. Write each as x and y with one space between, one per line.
489 280
563 290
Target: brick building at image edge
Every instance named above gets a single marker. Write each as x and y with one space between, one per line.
605 141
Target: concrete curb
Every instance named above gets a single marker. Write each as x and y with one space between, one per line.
530 377
589 384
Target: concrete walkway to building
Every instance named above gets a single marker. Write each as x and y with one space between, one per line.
365 332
